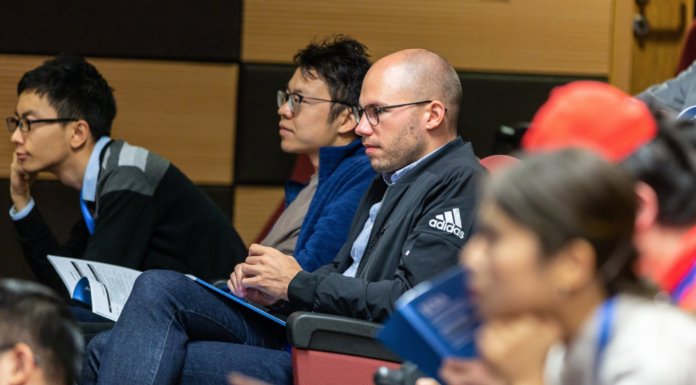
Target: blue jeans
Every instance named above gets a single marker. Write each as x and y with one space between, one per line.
174 331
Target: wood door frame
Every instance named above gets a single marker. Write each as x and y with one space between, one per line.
622 45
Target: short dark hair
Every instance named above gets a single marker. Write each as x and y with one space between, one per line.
35 315
341 62
668 165
75 89
570 194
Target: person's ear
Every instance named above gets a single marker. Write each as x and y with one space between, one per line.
346 121
435 115
648 207
22 364
80 134
574 266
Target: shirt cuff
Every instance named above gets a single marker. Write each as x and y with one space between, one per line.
25 211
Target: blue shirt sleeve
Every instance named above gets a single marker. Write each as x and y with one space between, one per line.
23 213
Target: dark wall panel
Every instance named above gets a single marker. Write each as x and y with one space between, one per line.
491 100
61 208
203 30
259 159
58 204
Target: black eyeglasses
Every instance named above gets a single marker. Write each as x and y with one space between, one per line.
372 112
24 125
294 100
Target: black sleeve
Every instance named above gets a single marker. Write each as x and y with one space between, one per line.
38 243
426 252
289 307
120 236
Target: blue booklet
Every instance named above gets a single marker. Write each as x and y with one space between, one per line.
433 321
240 301
688 114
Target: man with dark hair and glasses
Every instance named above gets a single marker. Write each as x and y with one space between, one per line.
139 210
410 225
40 342
316 120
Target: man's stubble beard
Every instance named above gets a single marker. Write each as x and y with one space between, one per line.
401 154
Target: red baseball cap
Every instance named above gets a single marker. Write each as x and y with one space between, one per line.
591 115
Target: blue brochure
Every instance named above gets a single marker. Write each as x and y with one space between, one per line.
83 292
688 114
238 300
433 321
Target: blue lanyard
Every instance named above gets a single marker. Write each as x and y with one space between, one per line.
88 216
683 285
606 324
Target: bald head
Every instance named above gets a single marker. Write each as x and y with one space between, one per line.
420 74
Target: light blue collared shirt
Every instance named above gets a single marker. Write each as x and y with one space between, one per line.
89 183
360 243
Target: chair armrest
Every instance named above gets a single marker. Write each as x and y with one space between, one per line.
335 334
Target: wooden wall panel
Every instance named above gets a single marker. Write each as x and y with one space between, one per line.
529 36
253 206
11 70
182 111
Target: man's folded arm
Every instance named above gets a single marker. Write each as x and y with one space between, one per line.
373 301
38 242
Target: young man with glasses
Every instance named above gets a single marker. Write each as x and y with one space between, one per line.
139 210
40 342
410 225
316 120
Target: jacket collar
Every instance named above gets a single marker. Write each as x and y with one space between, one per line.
331 157
434 158
89 182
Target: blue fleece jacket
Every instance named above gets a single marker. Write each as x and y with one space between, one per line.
344 175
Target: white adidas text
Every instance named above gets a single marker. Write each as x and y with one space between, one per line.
450 222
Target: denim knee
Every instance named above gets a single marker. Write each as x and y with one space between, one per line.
155 286
92 359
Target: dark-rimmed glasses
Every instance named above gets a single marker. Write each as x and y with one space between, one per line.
24 125
295 99
372 112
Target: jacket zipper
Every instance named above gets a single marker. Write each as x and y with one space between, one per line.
369 261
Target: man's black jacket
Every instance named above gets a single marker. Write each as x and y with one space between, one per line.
425 219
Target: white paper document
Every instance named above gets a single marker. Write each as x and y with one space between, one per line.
109 285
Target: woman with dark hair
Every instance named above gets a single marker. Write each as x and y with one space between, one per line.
552 261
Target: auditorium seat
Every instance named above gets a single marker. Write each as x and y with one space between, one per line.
329 349
497 163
